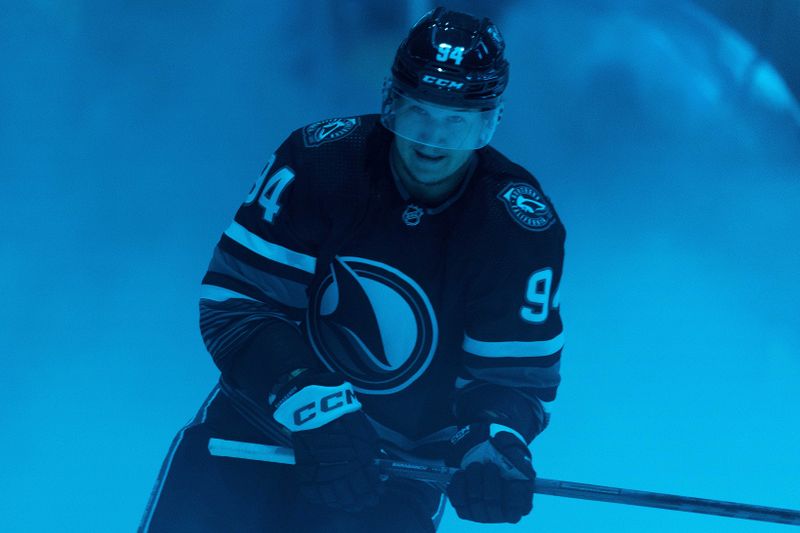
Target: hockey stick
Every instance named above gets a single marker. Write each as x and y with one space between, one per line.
552 487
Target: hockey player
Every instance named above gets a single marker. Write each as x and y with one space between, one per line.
388 288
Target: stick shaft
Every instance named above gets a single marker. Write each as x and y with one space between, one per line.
551 487
666 501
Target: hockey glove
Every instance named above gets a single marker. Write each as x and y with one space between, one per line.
496 478
334 442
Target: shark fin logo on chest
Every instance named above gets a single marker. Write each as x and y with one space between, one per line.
372 323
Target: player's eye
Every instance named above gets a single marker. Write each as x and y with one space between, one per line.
455 119
421 111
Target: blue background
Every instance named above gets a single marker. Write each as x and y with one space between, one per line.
130 132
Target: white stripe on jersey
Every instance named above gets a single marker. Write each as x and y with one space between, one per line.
269 250
513 348
220 294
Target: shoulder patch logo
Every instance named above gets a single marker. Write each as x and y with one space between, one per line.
328 130
527 206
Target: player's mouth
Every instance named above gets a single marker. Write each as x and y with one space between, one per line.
428 157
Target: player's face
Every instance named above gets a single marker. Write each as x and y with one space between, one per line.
429 165
450 127
438 126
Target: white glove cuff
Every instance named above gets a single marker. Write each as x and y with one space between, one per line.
494 429
486 453
314 406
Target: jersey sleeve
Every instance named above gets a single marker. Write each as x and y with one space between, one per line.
253 295
513 336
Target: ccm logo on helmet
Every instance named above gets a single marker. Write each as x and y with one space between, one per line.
441 82
326 404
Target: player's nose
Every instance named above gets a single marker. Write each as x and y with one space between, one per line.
433 135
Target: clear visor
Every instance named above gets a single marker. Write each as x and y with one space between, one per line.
439 126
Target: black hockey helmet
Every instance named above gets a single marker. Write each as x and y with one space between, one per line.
446 83
452 58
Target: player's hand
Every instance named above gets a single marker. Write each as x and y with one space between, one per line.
334 442
496 478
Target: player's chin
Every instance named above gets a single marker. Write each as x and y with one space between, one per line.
428 179
431 170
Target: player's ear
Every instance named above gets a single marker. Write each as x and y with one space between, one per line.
500 112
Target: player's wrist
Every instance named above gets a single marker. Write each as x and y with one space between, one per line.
495 404
303 399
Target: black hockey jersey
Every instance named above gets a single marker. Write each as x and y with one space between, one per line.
437 315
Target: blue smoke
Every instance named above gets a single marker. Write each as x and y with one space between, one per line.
130 132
